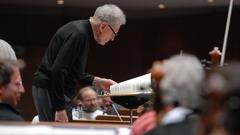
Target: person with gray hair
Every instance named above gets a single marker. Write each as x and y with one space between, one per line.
107 17
63 65
182 81
6 51
178 94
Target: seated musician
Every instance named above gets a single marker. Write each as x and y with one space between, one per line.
177 87
87 105
106 105
178 96
11 89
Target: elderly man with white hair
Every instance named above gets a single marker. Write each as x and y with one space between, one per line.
63 65
178 95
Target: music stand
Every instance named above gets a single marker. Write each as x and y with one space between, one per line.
130 101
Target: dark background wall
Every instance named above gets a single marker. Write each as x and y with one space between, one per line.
140 42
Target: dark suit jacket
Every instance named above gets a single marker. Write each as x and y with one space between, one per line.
186 127
8 113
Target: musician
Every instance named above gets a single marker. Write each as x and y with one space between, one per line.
11 89
88 106
231 120
220 111
178 95
63 65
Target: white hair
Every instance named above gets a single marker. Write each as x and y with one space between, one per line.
182 80
6 51
109 13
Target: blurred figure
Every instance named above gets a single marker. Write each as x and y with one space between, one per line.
11 89
212 107
88 105
178 95
6 51
220 113
232 108
148 120
232 104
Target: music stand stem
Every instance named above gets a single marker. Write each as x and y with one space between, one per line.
131 116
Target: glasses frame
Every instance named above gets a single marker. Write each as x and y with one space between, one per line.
115 34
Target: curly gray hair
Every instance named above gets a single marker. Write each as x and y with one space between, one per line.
182 80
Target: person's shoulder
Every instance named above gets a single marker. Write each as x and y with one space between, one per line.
82 26
9 113
4 107
76 23
183 127
77 27
74 29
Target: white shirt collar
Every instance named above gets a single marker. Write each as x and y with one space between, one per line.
176 115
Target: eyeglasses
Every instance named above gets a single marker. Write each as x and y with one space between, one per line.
115 34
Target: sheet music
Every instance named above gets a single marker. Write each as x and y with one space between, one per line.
139 84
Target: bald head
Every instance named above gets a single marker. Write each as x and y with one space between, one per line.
88 98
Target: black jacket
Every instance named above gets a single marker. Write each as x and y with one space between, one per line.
8 113
186 127
63 65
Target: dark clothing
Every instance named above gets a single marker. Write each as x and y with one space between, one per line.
186 127
44 105
8 113
63 65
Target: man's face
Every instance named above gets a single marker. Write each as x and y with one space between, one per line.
107 33
105 101
11 93
89 103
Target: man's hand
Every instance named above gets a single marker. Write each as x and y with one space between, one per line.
61 116
103 83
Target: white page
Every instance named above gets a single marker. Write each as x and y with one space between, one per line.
134 85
